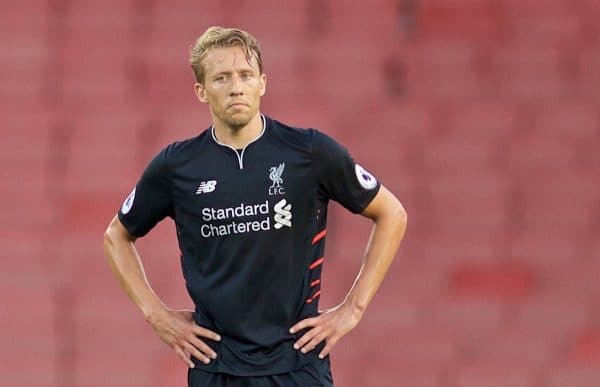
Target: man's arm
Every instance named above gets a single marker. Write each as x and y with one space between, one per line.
176 328
390 224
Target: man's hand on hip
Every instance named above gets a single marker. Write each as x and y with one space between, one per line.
331 325
179 331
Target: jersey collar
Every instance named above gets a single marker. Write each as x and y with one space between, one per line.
240 153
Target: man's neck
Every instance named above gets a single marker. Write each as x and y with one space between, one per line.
238 138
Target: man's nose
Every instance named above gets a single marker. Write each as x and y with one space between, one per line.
236 86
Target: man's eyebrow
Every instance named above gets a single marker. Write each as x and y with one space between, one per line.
228 72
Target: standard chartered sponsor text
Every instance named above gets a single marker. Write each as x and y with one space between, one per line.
237 226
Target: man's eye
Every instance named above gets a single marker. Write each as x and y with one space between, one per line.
246 76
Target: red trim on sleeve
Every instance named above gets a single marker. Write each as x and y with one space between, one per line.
315 283
316 263
319 236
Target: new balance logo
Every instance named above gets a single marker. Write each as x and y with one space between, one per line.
283 214
206 187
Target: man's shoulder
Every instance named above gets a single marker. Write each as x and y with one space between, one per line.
293 135
184 148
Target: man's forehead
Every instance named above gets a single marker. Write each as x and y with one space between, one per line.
229 57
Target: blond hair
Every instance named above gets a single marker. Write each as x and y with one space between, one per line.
216 37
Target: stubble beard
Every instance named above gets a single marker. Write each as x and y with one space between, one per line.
237 123
239 120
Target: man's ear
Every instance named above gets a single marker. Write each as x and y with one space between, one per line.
200 92
263 84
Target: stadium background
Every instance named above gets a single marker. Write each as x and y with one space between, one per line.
481 115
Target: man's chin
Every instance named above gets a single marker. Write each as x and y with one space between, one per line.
238 121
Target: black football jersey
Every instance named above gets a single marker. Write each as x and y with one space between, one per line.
251 226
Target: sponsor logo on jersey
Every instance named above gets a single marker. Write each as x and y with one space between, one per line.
243 210
275 174
366 180
128 203
283 214
206 187
245 218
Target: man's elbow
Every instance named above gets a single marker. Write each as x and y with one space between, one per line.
115 233
399 213
393 215
108 238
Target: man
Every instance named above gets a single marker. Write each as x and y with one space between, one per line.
249 199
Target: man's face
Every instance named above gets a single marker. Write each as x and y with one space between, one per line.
232 86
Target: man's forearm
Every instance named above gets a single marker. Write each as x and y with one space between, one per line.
384 241
125 263
176 328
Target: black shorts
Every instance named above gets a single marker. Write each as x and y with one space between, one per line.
309 376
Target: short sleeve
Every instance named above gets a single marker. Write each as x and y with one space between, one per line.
150 201
339 177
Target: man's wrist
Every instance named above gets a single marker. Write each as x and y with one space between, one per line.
355 307
152 312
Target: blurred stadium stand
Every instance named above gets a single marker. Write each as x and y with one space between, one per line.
482 115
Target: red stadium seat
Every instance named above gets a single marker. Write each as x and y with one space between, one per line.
535 22
497 375
534 153
521 347
508 282
29 316
468 318
585 348
572 375
569 121
544 247
361 24
442 70
464 197
589 72
529 71
567 203
552 315
476 20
